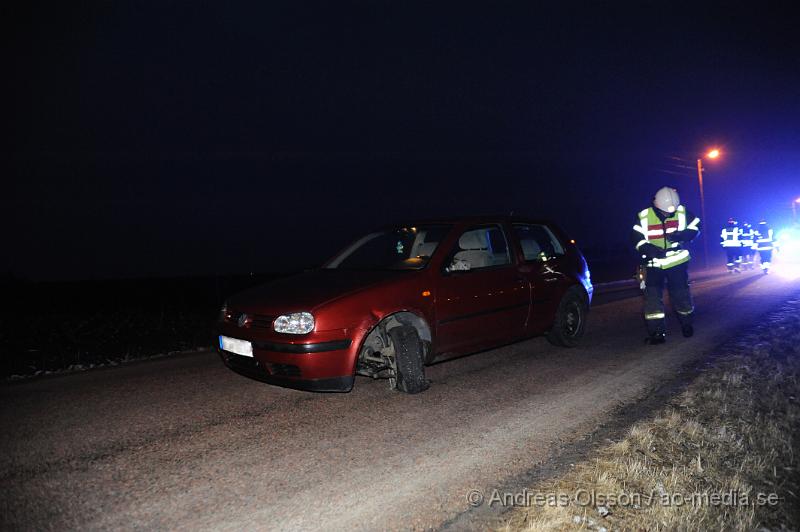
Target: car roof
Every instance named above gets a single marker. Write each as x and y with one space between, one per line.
453 220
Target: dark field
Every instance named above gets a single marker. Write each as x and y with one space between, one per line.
58 325
52 326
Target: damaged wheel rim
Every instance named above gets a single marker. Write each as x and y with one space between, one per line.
572 320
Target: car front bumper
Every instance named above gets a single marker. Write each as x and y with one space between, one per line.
283 375
323 362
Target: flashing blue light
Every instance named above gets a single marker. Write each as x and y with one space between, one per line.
788 257
789 242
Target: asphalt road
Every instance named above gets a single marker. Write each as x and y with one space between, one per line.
183 443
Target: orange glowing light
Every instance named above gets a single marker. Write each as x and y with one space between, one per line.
713 154
426 293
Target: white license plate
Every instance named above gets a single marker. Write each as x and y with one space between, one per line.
234 345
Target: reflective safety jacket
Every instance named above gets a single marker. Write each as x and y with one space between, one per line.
747 236
652 229
731 237
764 239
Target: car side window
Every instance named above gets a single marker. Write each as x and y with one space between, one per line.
478 248
538 242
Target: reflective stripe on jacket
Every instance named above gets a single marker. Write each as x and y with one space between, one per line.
731 237
747 237
653 230
764 242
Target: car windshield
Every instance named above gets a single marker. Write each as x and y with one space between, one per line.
400 248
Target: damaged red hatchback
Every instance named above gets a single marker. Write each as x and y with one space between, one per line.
400 298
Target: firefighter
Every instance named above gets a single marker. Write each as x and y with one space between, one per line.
731 242
747 238
765 243
660 235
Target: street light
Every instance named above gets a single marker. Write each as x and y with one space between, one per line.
713 154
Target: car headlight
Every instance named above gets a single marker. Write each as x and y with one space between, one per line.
295 323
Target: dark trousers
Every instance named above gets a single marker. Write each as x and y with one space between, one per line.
734 257
677 279
766 257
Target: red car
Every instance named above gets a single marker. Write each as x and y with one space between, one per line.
400 298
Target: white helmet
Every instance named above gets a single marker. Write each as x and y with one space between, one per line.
667 199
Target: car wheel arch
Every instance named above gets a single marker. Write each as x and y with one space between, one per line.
584 293
399 318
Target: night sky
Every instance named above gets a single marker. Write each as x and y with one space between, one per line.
172 138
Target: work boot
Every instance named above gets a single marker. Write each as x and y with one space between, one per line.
656 338
687 330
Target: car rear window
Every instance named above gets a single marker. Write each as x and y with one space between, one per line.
478 248
538 242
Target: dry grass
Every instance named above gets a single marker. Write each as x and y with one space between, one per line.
732 433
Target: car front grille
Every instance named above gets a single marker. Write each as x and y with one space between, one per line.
262 322
255 321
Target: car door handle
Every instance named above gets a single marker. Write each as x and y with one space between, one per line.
550 279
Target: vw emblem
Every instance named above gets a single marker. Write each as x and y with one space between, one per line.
244 319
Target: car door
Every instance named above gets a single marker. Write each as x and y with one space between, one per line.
543 264
482 299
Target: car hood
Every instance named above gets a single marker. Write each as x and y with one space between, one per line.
309 290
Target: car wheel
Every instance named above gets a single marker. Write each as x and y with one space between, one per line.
408 357
570 320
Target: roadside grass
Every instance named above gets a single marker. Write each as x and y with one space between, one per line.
721 456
